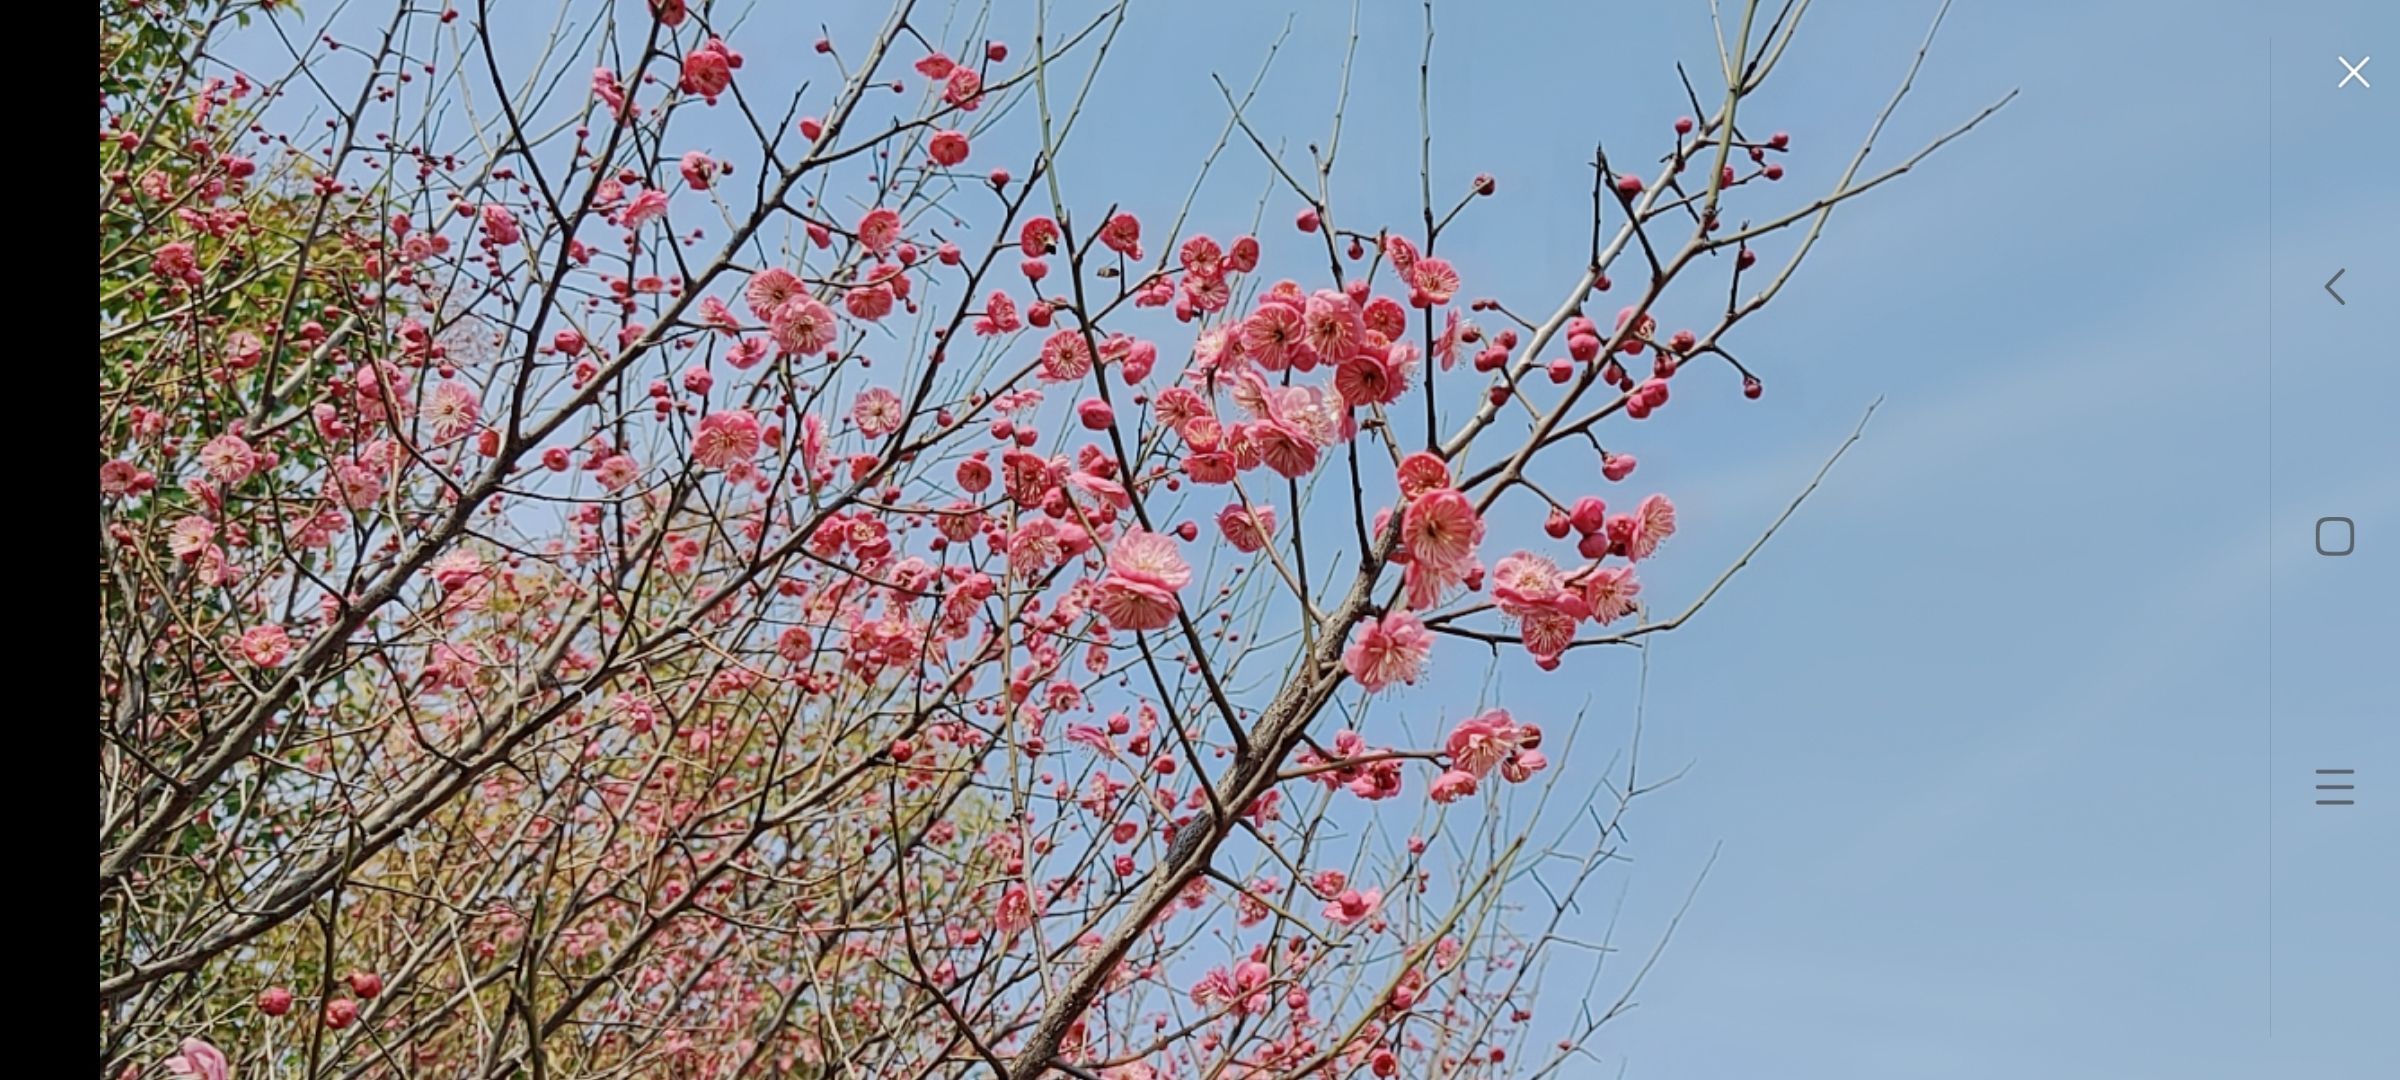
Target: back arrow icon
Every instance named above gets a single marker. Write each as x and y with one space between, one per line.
2337 276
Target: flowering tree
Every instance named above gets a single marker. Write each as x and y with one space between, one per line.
573 603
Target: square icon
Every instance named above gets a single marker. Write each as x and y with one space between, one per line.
2336 536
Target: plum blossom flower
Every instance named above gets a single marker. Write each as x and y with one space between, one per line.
1481 742
1331 325
618 471
964 89
769 290
357 485
189 536
1178 406
197 1059
229 459
1527 586
1521 766
1654 519
1315 411
999 316
1376 781
645 208
1123 234
1065 357
725 437
1441 529
1422 472
947 148
1393 648
1373 781
1276 336
1037 237
1432 282
175 260
1140 357
1353 906
879 230
1427 584
1139 590
119 478
746 353
1456 331
1637 535
1016 909
936 65
794 644
1488 741
1251 903
452 410
1284 448
804 325
698 169
1203 257
500 225
605 87
266 646
1034 548
1367 379
1246 528
877 412
1547 631
1452 785
1610 592
1240 990
868 303
1209 467
457 570
708 70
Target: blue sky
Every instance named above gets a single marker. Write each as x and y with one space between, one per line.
1982 741
1983 735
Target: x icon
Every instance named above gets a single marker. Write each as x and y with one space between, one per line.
2354 72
